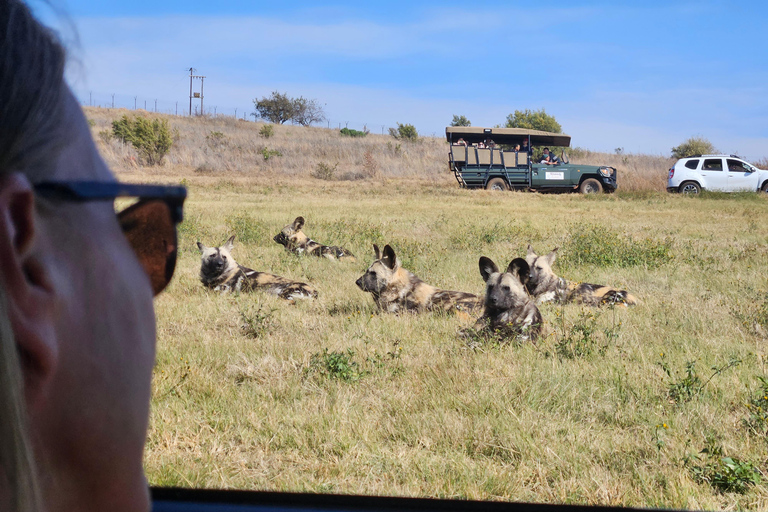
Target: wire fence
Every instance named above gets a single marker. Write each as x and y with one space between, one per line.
181 108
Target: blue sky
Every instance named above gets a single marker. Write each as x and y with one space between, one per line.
641 76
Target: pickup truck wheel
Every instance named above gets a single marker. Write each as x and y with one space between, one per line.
689 187
590 186
496 184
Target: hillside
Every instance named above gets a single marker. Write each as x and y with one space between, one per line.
218 146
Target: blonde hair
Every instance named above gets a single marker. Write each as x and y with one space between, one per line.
32 94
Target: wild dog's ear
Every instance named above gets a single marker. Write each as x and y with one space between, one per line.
229 245
298 223
201 247
551 256
531 252
389 258
376 252
487 267
519 268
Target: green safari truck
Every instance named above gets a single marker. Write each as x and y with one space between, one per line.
488 158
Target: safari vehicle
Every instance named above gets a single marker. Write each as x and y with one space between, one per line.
500 167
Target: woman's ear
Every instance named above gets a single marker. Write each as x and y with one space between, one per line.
27 284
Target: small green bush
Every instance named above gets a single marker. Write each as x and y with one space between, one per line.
216 139
335 365
757 422
582 338
269 153
404 132
686 387
725 474
257 321
151 138
267 131
324 171
352 133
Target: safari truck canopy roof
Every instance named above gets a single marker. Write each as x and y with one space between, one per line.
473 135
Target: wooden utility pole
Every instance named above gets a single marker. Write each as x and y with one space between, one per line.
192 76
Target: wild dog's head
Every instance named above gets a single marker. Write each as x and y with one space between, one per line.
380 273
504 290
291 235
215 261
541 278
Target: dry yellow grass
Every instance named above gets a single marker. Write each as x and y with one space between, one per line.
238 149
422 414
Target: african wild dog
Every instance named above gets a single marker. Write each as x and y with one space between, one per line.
221 272
545 286
295 241
509 311
394 289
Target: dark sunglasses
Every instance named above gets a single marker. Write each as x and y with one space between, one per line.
149 224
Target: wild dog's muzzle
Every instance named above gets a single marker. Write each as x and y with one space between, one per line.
281 239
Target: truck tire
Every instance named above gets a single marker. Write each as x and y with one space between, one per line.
590 186
496 184
689 187
764 188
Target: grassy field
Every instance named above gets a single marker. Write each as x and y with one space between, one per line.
613 406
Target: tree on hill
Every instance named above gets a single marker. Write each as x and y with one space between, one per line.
280 108
533 120
404 132
460 121
277 108
693 146
307 112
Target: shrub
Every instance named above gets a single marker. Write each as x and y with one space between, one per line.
685 388
370 165
757 422
725 474
257 321
269 153
582 338
152 139
216 139
353 133
325 171
693 146
267 131
335 365
404 132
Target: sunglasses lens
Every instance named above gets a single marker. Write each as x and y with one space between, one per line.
150 229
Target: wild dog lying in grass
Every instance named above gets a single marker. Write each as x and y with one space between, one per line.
509 310
545 286
394 289
221 272
295 241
